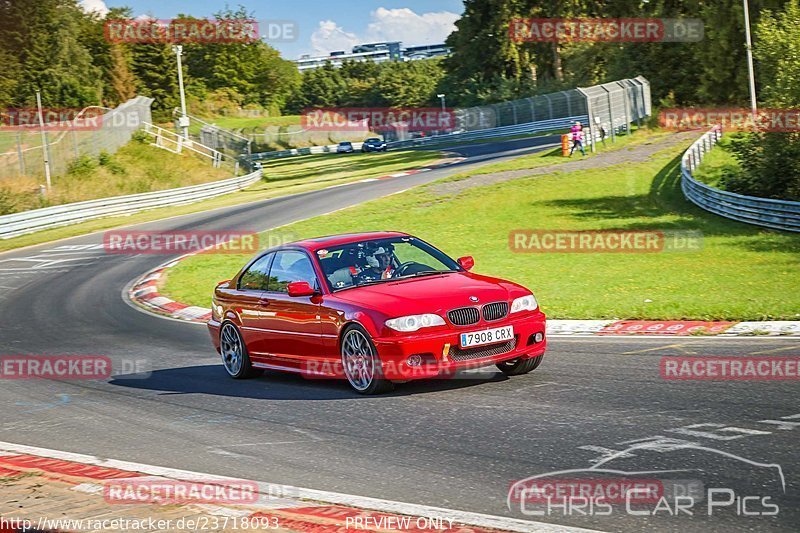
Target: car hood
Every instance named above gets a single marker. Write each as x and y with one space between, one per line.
432 294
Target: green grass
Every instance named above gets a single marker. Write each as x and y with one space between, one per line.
554 156
135 168
338 167
741 272
718 163
283 177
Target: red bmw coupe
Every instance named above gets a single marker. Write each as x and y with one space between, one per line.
374 308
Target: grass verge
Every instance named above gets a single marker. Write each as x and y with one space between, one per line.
740 273
718 163
135 168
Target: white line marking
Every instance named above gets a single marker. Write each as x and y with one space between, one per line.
364 502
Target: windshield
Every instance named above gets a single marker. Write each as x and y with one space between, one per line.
375 261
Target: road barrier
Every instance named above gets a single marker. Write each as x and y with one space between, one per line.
776 214
505 131
62 215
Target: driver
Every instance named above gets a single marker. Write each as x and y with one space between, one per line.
379 265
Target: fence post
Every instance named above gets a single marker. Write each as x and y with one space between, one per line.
20 155
569 106
75 144
549 107
590 113
610 115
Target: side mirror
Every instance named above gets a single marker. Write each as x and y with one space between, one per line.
300 288
466 262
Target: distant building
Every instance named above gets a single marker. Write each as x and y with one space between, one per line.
376 52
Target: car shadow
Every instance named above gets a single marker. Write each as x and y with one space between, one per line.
212 379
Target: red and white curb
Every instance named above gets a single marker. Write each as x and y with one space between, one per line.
300 509
144 292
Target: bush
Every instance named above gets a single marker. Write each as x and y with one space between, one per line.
7 204
82 166
107 160
770 165
140 136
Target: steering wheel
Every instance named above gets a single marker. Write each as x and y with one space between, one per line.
399 270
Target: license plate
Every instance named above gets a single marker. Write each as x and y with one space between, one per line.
487 336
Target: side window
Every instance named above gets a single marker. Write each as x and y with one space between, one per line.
255 278
289 266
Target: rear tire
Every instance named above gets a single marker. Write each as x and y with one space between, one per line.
234 354
517 367
361 363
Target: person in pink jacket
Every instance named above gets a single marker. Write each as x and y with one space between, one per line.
576 134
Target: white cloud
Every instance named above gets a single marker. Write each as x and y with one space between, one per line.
401 24
95 6
412 28
330 37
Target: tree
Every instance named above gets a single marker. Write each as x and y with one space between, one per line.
770 161
155 67
253 69
43 37
411 84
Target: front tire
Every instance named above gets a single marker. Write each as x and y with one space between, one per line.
234 354
361 363
517 367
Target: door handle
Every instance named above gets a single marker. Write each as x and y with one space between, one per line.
263 301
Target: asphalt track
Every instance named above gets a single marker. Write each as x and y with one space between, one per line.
457 444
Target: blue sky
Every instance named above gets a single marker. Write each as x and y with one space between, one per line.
323 25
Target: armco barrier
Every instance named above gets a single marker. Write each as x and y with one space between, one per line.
776 214
505 131
61 215
563 123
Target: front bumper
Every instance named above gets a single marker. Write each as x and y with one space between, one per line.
441 354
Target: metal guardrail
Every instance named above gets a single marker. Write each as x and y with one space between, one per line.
169 140
324 149
504 131
776 214
62 215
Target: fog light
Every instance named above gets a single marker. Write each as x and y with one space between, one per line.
415 360
538 338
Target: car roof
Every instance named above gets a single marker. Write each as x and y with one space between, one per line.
318 243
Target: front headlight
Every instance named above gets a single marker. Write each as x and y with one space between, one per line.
414 322
524 303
